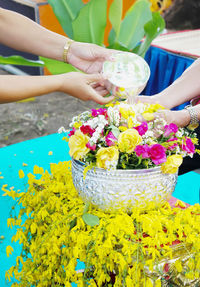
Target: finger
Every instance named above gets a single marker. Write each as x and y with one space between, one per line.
103 93
100 88
99 99
94 78
105 100
95 85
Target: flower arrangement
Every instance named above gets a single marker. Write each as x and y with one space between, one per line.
123 136
157 248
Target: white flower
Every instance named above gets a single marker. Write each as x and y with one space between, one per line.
74 119
62 130
97 123
85 116
180 133
113 116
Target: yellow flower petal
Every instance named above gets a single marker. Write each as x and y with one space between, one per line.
21 173
9 250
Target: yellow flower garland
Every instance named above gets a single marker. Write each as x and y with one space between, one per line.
120 250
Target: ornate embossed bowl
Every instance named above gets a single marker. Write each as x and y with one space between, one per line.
122 189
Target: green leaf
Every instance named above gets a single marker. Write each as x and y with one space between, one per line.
73 223
115 131
90 219
152 29
18 60
86 207
111 38
132 27
66 11
115 15
57 67
90 24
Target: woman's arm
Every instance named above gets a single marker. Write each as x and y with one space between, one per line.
21 33
181 118
82 86
185 88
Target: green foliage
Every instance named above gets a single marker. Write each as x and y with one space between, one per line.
126 35
57 67
152 29
115 15
132 27
90 24
90 219
66 11
18 60
87 22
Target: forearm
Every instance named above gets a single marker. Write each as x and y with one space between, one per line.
23 34
15 88
185 88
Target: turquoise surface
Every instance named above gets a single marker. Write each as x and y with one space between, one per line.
36 152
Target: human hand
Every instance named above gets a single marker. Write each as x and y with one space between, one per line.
154 99
88 57
84 87
180 118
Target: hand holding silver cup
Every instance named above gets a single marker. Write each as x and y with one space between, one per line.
127 75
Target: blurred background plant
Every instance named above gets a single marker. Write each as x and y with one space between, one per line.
86 22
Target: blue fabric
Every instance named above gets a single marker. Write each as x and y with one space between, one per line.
165 69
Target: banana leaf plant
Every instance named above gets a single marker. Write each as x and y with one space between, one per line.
87 23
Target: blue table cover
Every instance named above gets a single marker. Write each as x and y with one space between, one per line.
165 68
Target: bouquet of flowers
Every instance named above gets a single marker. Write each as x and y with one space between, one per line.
123 136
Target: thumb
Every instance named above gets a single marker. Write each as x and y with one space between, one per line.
94 96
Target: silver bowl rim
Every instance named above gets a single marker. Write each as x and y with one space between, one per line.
120 171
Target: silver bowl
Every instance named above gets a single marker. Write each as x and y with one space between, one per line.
127 75
122 189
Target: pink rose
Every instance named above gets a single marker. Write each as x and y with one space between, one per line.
142 150
87 130
101 111
110 139
170 129
188 146
142 129
72 132
91 147
157 154
171 147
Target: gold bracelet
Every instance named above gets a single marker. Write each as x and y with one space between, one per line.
66 49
